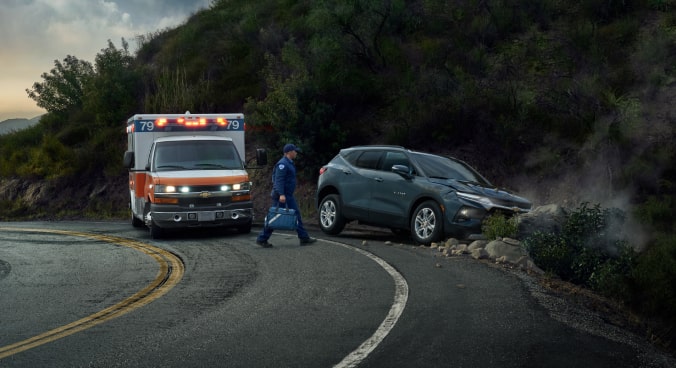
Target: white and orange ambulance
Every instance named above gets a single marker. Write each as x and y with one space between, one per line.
188 170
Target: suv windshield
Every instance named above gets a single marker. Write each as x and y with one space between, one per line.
445 168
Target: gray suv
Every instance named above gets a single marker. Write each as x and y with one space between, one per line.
426 195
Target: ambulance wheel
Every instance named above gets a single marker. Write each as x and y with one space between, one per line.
156 232
135 222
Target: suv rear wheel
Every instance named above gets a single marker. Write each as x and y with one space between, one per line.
426 223
331 219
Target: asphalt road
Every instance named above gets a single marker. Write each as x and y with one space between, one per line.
104 294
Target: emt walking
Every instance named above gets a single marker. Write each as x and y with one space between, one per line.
283 186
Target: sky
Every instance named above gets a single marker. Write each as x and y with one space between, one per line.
35 33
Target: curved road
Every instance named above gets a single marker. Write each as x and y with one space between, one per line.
103 294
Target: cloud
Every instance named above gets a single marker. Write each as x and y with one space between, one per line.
38 32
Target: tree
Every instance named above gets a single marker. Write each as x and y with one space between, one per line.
112 94
62 89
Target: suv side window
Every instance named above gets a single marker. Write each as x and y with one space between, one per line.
351 157
392 158
368 160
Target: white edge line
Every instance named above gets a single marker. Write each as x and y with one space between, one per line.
398 305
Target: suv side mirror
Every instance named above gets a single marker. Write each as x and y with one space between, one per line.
402 170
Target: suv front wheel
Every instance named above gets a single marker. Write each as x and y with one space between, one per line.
426 223
331 219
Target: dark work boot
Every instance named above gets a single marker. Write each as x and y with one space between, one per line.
306 241
264 243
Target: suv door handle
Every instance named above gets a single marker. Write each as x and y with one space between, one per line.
380 180
347 172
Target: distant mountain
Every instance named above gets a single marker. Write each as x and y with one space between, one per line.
11 125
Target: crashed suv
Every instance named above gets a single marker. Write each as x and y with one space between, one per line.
426 195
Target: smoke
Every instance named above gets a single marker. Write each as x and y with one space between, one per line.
594 173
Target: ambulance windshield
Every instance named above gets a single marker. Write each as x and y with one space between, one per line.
196 155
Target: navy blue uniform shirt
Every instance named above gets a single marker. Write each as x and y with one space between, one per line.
284 177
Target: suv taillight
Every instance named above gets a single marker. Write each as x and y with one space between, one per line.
322 170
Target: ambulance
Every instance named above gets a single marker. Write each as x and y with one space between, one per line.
187 171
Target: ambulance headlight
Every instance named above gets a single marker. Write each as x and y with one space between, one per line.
242 186
165 189
238 186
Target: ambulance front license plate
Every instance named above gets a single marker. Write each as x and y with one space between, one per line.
206 216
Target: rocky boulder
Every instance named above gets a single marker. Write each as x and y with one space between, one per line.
504 250
548 219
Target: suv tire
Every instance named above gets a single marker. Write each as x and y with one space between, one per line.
331 219
427 223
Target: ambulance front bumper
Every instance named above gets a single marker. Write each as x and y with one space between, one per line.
183 219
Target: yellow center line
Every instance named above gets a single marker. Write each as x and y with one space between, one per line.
169 275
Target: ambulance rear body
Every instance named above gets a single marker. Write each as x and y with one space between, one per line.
188 170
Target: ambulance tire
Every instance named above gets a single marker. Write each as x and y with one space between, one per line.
156 232
135 222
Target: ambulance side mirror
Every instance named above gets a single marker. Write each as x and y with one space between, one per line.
261 157
128 161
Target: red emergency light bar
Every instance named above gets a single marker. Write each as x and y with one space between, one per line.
191 122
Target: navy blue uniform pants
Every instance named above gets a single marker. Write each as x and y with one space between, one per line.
291 203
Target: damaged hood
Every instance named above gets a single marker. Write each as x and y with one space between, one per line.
489 197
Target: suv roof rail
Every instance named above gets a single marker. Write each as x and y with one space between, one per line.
378 146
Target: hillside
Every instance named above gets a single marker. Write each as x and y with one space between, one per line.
561 102
13 125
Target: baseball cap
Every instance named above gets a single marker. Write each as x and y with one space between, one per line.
291 147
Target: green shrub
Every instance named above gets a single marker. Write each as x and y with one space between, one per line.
582 254
613 278
662 5
11 210
585 263
499 226
584 223
658 211
582 251
14 149
655 277
551 253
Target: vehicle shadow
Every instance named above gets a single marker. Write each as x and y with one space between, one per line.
363 232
